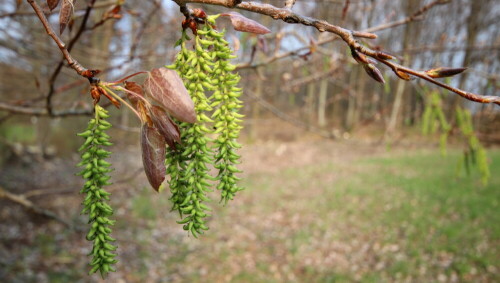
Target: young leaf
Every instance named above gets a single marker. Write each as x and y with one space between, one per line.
153 155
166 87
52 4
65 14
244 24
167 128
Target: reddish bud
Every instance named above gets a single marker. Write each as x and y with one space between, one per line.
96 96
199 13
373 72
185 24
193 26
90 73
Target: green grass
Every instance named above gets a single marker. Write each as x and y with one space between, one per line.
403 216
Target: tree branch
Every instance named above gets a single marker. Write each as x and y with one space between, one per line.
42 111
348 36
50 31
64 50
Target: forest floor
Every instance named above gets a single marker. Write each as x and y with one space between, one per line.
313 211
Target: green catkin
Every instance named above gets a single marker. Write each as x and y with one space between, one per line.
188 164
208 76
226 118
474 153
95 204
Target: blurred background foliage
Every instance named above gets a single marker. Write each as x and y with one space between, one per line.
341 183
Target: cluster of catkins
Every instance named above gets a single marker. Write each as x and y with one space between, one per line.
190 124
209 78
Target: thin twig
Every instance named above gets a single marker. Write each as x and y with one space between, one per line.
415 16
145 23
79 69
289 119
20 199
100 5
50 31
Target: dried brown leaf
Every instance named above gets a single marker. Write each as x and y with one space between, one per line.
167 128
52 4
153 155
65 14
166 87
244 24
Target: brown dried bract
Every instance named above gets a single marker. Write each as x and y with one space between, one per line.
153 155
96 91
166 87
65 14
136 89
52 4
244 24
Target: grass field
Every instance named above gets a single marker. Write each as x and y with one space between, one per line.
343 214
398 217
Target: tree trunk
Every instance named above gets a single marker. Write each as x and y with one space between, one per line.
323 91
